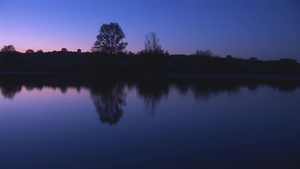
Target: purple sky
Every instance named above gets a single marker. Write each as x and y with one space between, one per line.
266 29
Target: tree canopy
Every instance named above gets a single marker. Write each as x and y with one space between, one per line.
64 50
9 48
110 39
204 53
29 51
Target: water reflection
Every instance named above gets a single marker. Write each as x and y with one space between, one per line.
9 88
109 99
243 124
206 89
9 91
152 91
109 95
285 86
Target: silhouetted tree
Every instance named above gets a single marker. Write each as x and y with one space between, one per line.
229 57
152 58
253 59
29 51
130 53
287 66
64 50
110 39
167 53
288 61
39 51
203 62
151 44
204 53
9 48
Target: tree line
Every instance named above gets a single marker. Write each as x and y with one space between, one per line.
110 41
108 55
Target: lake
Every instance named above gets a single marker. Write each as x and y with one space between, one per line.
148 123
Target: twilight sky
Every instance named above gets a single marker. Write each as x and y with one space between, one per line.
266 29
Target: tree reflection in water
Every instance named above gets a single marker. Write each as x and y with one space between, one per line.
9 91
109 99
204 89
152 91
109 96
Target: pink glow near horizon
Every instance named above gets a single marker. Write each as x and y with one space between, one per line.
52 44
242 29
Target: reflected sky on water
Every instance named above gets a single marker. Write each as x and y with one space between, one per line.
149 123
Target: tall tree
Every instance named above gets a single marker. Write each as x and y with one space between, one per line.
151 44
110 39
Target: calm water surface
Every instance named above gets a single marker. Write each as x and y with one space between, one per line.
149 124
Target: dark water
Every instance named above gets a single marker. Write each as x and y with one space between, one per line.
148 124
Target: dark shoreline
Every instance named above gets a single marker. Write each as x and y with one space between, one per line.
147 65
263 77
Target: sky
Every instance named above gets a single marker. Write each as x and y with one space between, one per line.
266 29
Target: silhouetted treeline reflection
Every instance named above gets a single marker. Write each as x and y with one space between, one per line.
9 90
109 99
152 91
109 94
